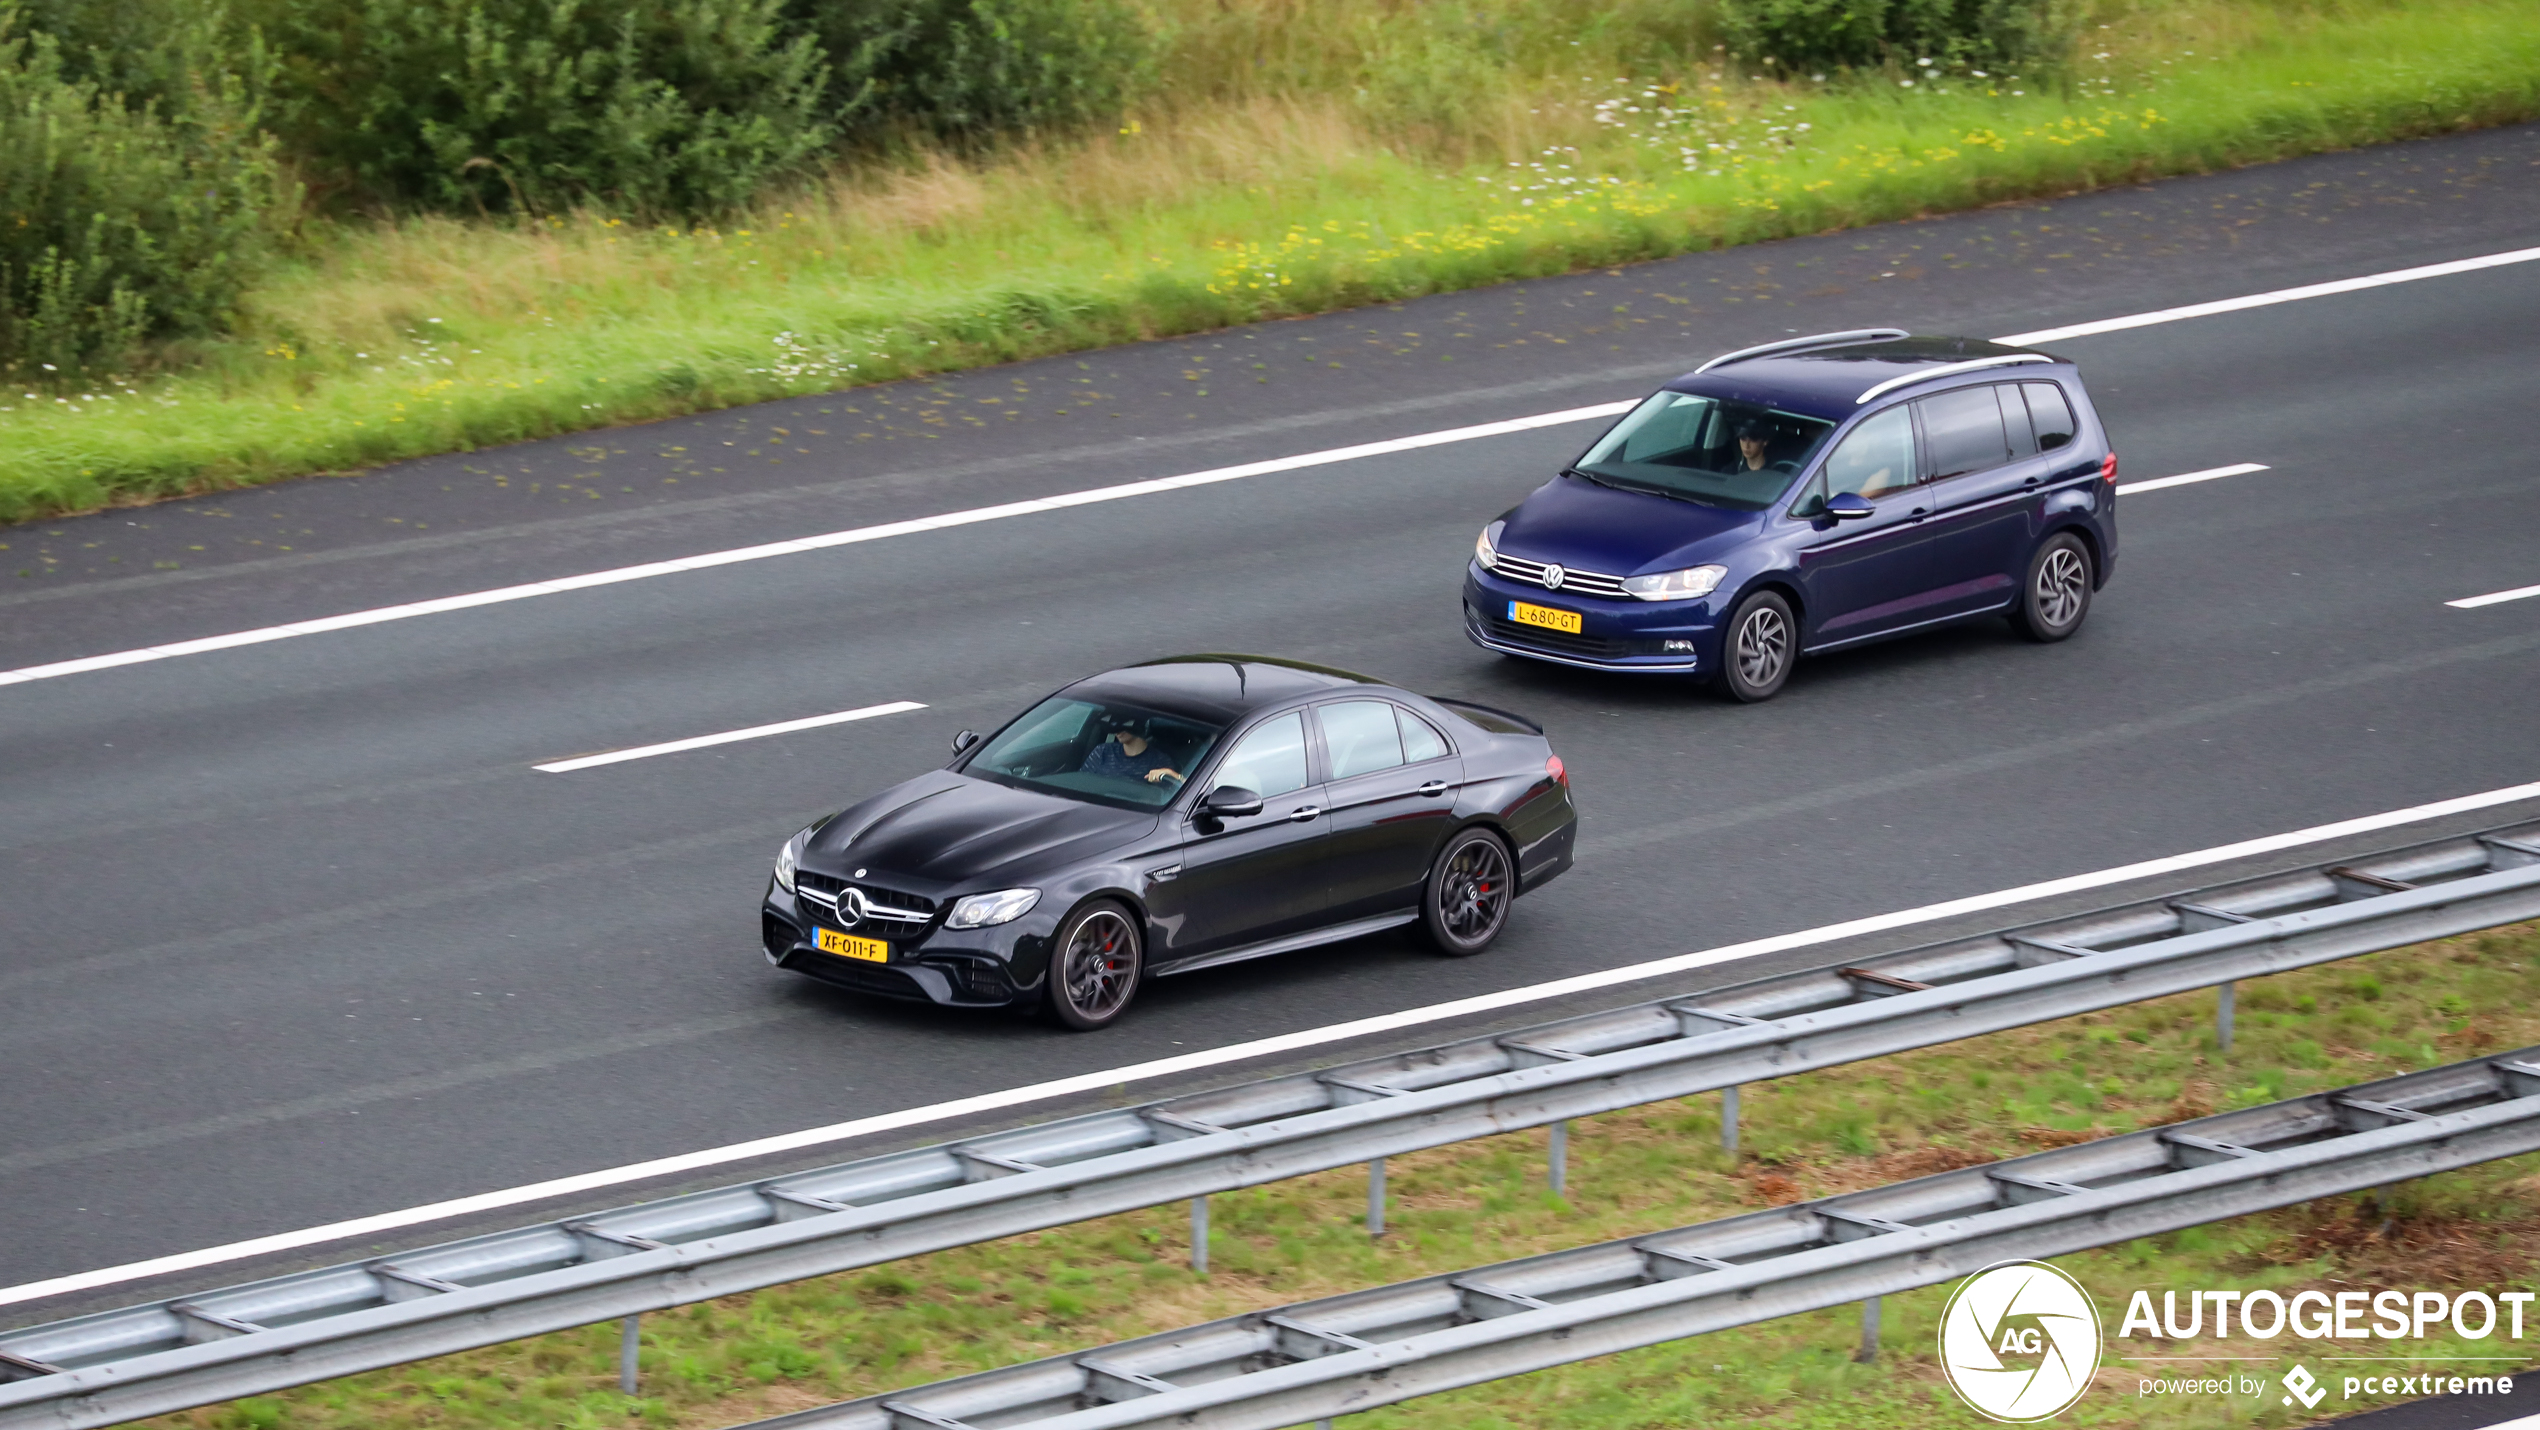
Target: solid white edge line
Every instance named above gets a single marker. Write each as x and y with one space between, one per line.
2265 300
1135 489
2495 598
1241 1052
781 727
2154 484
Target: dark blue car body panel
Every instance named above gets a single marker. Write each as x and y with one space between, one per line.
1940 551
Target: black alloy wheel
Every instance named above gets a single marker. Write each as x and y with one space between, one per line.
1465 903
1095 971
1761 647
2057 593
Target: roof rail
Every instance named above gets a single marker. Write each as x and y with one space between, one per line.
1948 370
1860 335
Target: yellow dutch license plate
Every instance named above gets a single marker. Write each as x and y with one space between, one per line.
1544 616
847 945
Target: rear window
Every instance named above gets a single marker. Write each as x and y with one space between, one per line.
1709 450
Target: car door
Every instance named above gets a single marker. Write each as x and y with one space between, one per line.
1390 799
1248 877
1979 456
1859 577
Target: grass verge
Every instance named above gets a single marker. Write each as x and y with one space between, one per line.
979 1307
403 339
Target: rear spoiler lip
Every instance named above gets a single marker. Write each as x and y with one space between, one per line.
1451 702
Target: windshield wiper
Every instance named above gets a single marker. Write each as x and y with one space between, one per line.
1670 493
1585 475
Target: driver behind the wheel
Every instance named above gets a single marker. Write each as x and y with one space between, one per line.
1754 447
1126 754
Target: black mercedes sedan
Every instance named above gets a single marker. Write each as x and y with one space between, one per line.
1168 817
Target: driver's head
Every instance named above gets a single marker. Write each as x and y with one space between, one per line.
1753 437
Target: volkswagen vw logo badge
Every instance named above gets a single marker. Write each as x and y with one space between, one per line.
851 907
1552 575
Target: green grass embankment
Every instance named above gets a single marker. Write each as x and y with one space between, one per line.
402 339
1080 1287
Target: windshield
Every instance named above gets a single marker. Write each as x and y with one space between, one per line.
1738 455
1090 749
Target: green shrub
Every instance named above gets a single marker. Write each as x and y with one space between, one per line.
1796 36
652 106
968 69
118 225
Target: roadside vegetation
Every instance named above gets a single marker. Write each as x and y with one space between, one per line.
1075 1288
310 235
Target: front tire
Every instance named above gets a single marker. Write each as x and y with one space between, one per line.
1760 648
1094 970
2056 595
1465 902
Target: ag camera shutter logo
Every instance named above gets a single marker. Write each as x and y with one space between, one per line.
2019 1341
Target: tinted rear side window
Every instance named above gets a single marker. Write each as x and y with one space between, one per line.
1360 737
1419 741
2052 415
1962 431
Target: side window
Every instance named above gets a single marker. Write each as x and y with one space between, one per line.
1419 740
1877 459
2015 421
1962 431
2052 415
1360 737
1270 760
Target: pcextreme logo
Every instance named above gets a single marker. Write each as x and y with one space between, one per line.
2019 1341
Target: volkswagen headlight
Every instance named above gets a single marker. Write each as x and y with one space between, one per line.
1676 585
983 910
785 864
1486 546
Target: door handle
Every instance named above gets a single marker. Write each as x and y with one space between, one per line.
1304 813
1433 788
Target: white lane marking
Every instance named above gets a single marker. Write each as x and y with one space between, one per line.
850 537
2266 300
781 727
1129 489
1241 1052
2494 598
2154 484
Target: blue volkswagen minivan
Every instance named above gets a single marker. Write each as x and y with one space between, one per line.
1805 496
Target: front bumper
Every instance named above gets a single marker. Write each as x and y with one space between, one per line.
972 968
1653 638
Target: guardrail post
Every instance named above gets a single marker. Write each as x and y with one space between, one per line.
1728 1119
1560 1158
1199 1235
1376 1197
630 1340
1869 1352
2222 1018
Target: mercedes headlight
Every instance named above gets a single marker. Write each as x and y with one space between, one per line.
1486 546
1002 907
1676 585
785 864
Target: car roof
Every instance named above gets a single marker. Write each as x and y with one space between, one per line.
1828 382
1217 687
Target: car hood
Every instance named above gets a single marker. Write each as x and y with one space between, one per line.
945 829
1577 523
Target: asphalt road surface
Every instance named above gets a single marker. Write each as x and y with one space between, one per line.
294 932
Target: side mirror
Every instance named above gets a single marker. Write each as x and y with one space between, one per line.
963 741
1850 506
1230 802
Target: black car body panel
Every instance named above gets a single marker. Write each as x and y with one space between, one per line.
1327 859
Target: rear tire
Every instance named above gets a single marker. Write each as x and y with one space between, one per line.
1465 902
1759 649
1095 963
2056 595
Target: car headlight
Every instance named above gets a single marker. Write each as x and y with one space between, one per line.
785 864
1002 907
1486 546
1676 585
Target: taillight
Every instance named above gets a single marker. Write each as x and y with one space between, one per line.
1559 772
2108 469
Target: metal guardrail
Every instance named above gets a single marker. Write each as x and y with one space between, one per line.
1363 1349
315 1325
